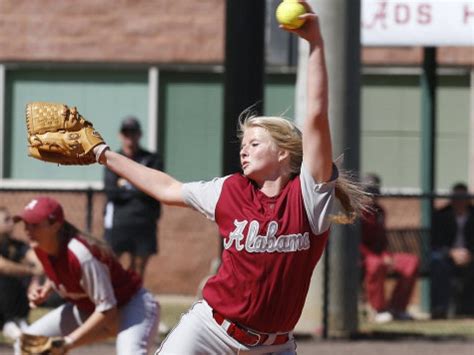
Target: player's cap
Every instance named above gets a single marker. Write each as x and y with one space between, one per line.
130 124
40 209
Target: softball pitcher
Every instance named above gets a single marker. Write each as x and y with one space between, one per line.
274 219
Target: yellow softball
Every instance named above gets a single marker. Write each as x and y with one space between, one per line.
287 14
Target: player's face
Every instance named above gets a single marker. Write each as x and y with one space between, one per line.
41 234
259 157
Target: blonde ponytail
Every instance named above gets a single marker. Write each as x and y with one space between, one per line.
353 198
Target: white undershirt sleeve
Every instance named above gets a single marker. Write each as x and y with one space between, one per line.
203 195
95 277
97 283
318 199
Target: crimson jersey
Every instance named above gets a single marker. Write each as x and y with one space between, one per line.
82 275
271 246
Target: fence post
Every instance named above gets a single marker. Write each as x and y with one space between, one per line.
428 151
89 214
326 290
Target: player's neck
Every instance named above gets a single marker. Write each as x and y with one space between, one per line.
272 187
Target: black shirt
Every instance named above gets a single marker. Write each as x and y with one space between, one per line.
126 205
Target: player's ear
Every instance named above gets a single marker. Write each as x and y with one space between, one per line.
283 154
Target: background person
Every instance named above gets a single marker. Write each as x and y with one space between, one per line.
102 298
18 265
378 262
452 244
130 215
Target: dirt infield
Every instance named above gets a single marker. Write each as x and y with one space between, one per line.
357 347
367 347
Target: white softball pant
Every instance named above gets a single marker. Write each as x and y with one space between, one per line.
197 333
139 319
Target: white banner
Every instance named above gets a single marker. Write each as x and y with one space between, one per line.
417 23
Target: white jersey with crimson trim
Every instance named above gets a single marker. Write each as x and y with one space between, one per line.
271 246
